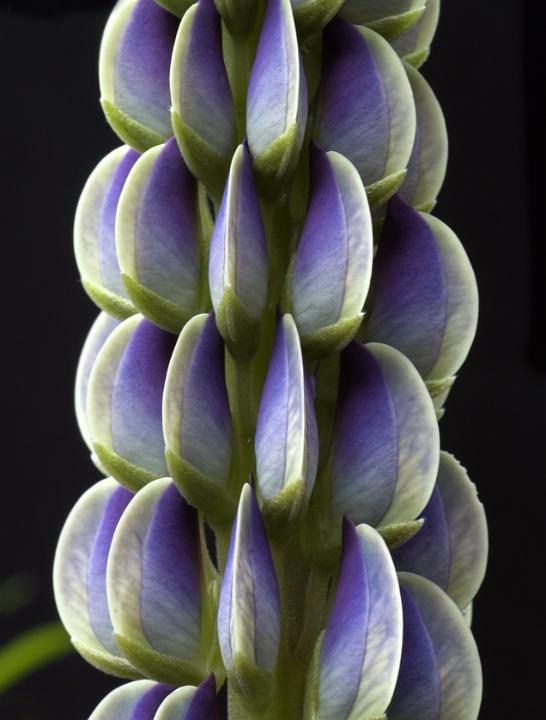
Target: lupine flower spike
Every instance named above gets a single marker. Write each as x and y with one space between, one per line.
282 320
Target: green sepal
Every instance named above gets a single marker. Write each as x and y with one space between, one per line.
130 131
283 513
204 494
113 304
203 162
275 166
160 311
399 533
391 27
254 685
157 666
417 58
239 16
107 663
235 324
437 387
380 191
176 7
313 15
440 412
330 339
131 476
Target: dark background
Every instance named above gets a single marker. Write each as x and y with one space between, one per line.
487 69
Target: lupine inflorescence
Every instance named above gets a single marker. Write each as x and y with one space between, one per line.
282 321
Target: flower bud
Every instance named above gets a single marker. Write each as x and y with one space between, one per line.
333 264
386 441
191 703
203 113
157 237
360 654
156 589
94 233
238 272
390 18
366 110
124 402
414 44
286 434
427 164
312 15
134 63
100 331
249 610
197 420
137 700
451 547
79 576
430 314
276 113
440 674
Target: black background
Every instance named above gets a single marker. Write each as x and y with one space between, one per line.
487 69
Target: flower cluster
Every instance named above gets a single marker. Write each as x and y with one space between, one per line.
282 321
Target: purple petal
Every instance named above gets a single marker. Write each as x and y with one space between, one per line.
425 299
451 547
136 401
200 89
142 62
363 639
170 605
366 110
334 257
249 609
166 243
196 415
147 705
277 93
97 603
386 444
286 447
203 703
418 691
238 250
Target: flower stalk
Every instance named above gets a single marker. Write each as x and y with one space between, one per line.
282 322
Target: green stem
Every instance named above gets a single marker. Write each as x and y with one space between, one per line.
32 650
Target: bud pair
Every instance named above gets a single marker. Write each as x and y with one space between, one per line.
133 584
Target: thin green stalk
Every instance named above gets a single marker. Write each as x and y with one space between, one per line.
31 651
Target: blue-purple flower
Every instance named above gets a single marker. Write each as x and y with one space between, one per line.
365 109
425 300
249 610
124 401
333 263
413 45
361 648
386 443
440 674
451 547
159 237
202 104
79 576
196 419
276 112
157 588
134 65
94 233
286 433
238 265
